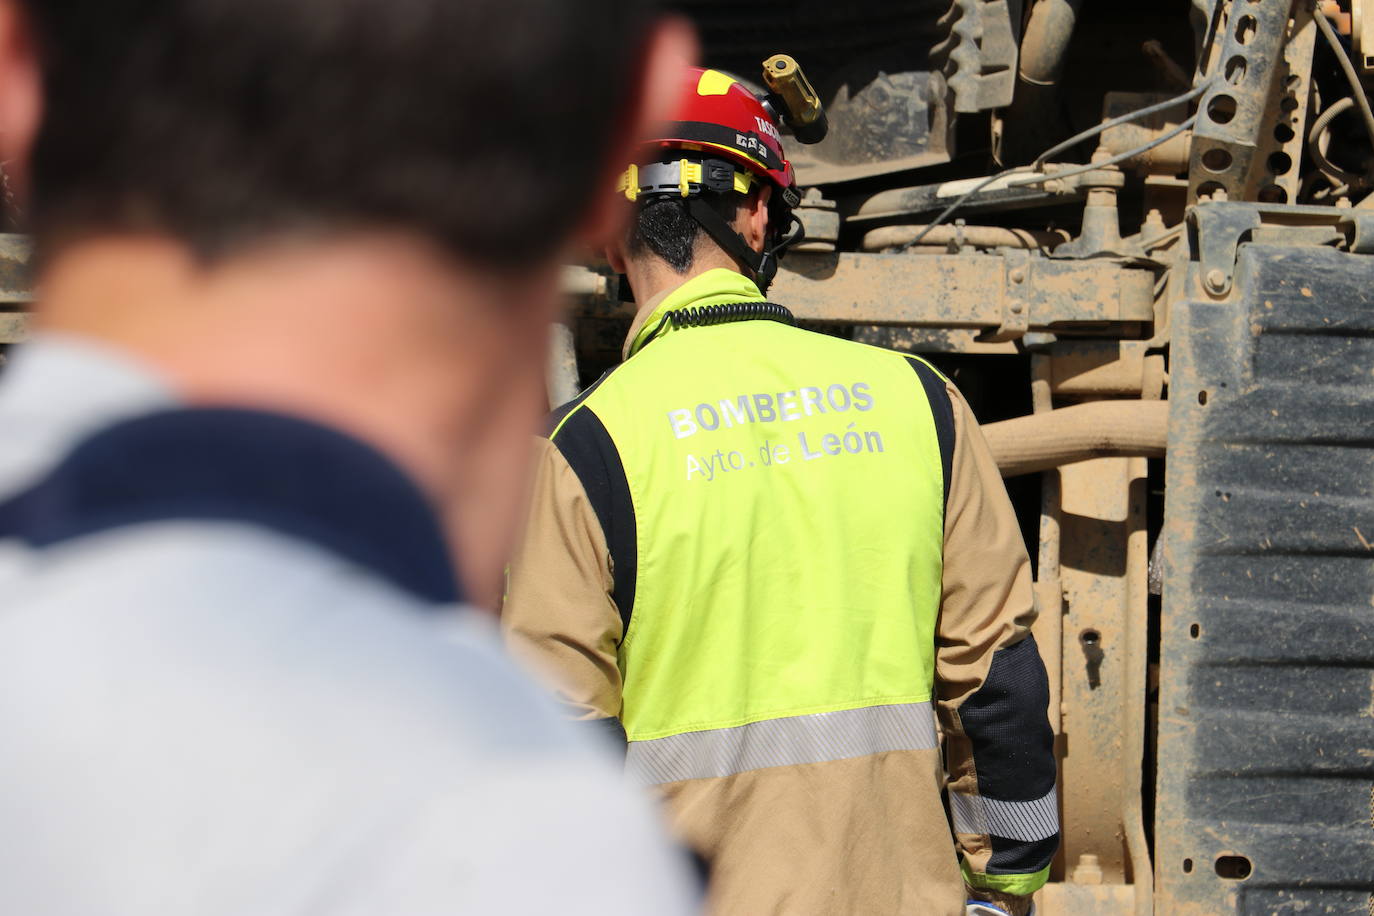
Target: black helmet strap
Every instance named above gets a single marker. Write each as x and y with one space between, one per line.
762 266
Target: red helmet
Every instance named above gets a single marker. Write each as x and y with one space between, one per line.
719 117
724 139
719 114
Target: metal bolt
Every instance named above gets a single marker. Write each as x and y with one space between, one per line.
1017 275
1215 280
1016 308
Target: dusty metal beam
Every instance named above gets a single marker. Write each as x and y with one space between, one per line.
1009 292
962 290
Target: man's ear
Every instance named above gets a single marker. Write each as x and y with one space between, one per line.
20 95
615 256
671 46
756 217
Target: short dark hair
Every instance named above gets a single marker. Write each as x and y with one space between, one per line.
482 124
663 226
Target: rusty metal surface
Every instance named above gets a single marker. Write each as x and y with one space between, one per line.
890 72
14 327
961 236
1101 574
979 56
1266 726
1234 125
931 340
961 291
980 291
1281 140
1170 157
998 197
15 282
1097 367
1085 899
15 287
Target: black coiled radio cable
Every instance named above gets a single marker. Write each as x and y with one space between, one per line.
727 312
724 313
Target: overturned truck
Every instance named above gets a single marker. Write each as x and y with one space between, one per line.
1138 236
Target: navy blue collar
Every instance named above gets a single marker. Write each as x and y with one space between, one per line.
276 472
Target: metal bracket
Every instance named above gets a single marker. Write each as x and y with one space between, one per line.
1358 228
1220 228
1015 304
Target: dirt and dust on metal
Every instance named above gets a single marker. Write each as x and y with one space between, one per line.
1137 235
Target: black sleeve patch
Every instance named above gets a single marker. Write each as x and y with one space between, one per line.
1013 857
943 412
559 413
1006 721
590 451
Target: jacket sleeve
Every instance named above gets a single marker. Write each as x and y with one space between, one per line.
992 692
558 616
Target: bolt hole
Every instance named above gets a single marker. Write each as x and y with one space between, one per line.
1280 163
1246 29
1283 133
1273 194
1234 868
1289 104
1217 160
1194 631
1202 397
1211 189
1235 70
1090 637
1187 866
1222 109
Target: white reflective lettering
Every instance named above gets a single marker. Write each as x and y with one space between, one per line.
737 411
862 399
681 421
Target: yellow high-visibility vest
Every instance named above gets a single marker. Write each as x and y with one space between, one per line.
783 511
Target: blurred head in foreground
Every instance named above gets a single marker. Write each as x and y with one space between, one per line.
348 210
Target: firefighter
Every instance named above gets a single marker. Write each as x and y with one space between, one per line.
775 559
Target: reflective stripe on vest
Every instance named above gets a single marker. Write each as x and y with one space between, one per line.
789 741
787 492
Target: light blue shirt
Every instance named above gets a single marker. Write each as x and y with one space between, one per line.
209 716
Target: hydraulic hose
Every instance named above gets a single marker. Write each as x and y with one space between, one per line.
1094 430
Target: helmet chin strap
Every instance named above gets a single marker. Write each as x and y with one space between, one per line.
761 267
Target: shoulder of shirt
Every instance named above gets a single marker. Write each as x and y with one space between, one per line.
203 606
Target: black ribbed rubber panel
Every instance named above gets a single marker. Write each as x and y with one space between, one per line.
1266 717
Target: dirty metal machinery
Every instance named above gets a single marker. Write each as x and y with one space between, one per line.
1167 328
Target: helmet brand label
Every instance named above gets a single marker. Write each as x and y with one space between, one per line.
752 142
